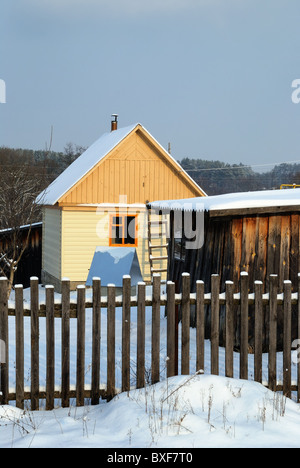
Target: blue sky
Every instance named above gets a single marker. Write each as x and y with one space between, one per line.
212 77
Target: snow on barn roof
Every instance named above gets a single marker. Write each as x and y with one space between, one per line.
89 159
268 199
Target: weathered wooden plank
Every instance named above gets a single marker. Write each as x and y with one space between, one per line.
140 368
200 333
80 370
198 225
248 246
218 249
34 299
126 320
229 333
111 341
50 345
185 338
274 242
215 328
284 271
170 329
155 355
287 339
294 251
19 347
258 333
273 332
227 259
244 285
298 357
4 340
201 255
96 340
237 234
65 344
208 254
261 249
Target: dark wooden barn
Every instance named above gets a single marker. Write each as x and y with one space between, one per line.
31 262
256 232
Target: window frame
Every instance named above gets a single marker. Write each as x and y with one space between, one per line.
123 216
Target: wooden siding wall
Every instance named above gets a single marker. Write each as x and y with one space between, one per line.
260 245
51 259
83 231
135 169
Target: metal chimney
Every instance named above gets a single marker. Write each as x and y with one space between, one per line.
114 122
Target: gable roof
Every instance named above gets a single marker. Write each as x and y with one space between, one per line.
91 157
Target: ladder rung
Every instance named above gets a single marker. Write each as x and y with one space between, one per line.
158 246
159 270
153 257
158 222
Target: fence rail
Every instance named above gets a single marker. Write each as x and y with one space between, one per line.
229 315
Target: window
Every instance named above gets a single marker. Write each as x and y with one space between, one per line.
123 230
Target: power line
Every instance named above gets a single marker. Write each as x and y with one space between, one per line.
241 167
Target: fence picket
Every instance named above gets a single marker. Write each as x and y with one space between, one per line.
96 338
244 325
170 329
19 346
126 320
4 340
111 341
80 346
65 344
200 322
50 341
287 339
258 332
185 328
140 372
229 341
273 332
35 333
215 325
155 366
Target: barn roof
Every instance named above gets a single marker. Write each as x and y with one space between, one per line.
90 158
237 203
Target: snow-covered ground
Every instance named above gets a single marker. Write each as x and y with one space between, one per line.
179 413
182 412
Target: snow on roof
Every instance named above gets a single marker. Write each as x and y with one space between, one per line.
88 160
233 201
82 165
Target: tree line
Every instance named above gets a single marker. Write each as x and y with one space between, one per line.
216 177
25 174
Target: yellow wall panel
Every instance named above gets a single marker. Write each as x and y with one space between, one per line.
84 231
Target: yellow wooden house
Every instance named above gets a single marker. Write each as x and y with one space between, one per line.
100 200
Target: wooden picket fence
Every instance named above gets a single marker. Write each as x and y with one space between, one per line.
234 304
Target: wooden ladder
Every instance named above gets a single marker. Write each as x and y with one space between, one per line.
158 251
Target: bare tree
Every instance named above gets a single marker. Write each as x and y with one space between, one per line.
19 189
